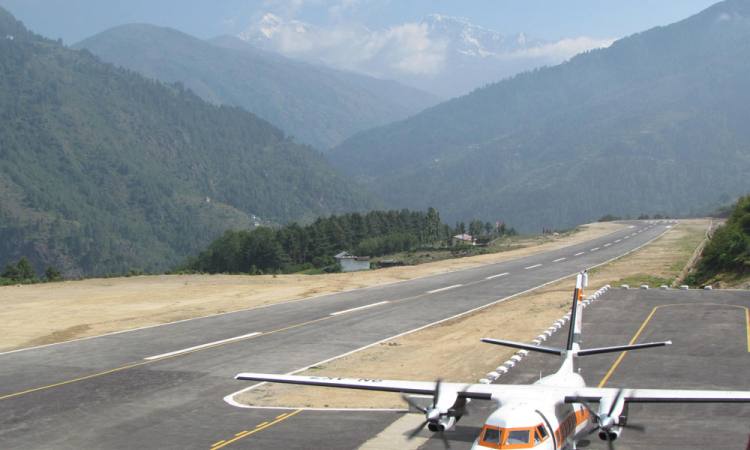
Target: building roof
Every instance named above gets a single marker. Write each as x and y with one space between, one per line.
464 237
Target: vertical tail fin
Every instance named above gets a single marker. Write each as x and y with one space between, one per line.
574 331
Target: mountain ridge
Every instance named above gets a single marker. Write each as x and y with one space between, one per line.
103 171
508 150
318 105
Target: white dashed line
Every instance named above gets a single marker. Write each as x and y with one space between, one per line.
198 347
559 259
578 254
594 249
434 291
626 237
607 244
496 276
618 241
533 267
357 309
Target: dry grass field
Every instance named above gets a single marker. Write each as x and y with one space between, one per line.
54 312
452 350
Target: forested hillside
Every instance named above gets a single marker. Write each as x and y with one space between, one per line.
727 254
294 247
317 105
654 124
103 170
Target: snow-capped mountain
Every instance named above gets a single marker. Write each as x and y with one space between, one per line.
466 38
446 55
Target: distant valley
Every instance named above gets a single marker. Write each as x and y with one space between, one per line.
656 123
105 171
315 104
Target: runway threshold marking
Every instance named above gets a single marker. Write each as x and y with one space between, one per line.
435 291
258 428
533 267
492 277
202 346
338 313
619 359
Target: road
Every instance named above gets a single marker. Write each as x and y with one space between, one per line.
162 387
711 350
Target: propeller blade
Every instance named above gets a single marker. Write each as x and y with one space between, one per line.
610 443
635 427
445 440
413 404
619 395
417 430
435 397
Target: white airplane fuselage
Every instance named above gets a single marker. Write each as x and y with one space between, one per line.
542 421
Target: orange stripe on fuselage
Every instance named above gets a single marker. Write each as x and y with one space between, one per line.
569 425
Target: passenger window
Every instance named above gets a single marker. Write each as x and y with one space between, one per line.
518 437
542 432
491 436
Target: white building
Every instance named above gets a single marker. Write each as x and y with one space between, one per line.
351 263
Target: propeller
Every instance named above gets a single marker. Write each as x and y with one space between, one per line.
432 414
605 422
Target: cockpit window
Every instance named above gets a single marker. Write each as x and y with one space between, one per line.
518 437
542 432
491 436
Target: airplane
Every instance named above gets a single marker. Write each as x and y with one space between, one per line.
553 413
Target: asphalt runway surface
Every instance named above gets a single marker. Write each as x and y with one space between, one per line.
163 387
710 331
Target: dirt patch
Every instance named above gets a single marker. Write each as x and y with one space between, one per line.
54 312
452 349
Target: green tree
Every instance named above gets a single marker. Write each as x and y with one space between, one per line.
52 274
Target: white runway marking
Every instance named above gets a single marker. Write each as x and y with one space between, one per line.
338 313
578 254
618 241
626 237
496 276
532 267
198 347
229 399
594 249
444 289
559 259
607 244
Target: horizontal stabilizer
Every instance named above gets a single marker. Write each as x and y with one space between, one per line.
522 346
621 348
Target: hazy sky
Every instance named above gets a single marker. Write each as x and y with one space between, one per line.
73 20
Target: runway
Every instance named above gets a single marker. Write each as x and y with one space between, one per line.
162 387
711 350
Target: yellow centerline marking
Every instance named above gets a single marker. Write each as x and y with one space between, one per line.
279 330
142 363
280 416
622 355
241 433
619 359
257 429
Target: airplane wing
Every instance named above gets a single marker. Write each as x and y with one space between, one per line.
474 391
502 392
659 395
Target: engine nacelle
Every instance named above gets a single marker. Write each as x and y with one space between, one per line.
610 434
443 424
